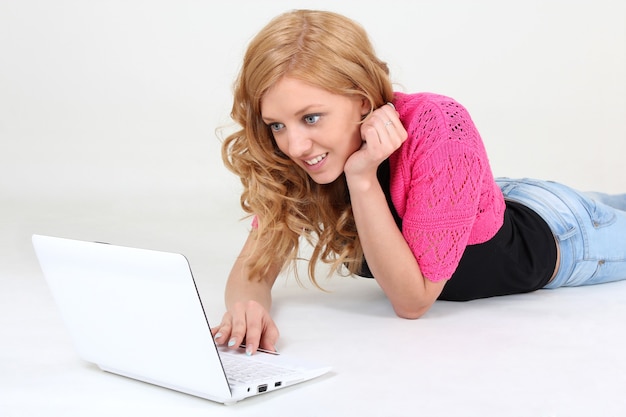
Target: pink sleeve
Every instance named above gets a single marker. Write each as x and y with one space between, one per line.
441 209
436 185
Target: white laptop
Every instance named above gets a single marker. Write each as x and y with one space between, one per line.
137 313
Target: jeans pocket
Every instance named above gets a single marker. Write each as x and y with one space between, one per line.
600 214
608 271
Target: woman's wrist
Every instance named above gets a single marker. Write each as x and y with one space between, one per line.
362 182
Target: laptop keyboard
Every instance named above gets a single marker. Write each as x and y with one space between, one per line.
241 369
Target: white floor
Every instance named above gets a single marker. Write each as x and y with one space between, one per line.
550 353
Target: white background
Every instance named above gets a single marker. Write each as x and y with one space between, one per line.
109 112
124 96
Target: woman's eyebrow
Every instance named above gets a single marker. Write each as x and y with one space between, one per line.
305 109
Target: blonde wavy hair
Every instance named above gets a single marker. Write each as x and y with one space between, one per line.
329 51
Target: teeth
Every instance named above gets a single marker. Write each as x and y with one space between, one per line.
316 159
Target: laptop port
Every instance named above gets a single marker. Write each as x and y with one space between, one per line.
262 388
278 384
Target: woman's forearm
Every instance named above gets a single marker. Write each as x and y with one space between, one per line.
388 255
240 288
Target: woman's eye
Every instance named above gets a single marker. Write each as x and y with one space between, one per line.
311 118
275 127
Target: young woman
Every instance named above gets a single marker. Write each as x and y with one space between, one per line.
387 185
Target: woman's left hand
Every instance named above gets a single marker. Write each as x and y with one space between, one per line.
382 133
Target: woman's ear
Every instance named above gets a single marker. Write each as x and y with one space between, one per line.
366 108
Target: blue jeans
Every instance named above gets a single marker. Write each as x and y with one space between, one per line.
589 228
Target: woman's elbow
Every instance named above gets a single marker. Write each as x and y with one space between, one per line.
411 312
414 304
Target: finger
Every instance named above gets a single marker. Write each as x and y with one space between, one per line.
270 337
267 340
258 323
378 131
222 332
392 124
238 330
254 332
390 119
381 118
386 112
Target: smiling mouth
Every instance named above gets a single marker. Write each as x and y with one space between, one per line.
316 160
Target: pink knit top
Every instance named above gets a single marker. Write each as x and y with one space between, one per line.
441 183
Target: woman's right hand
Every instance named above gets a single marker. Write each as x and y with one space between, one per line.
250 323
247 319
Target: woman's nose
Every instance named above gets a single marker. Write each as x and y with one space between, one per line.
299 144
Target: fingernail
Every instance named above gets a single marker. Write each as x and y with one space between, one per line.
249 350
217 335
232 342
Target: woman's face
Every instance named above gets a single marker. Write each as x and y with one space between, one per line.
315 128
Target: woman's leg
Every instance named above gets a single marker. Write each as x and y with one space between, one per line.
591 235
617 201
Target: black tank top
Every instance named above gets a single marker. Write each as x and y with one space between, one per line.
520 258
